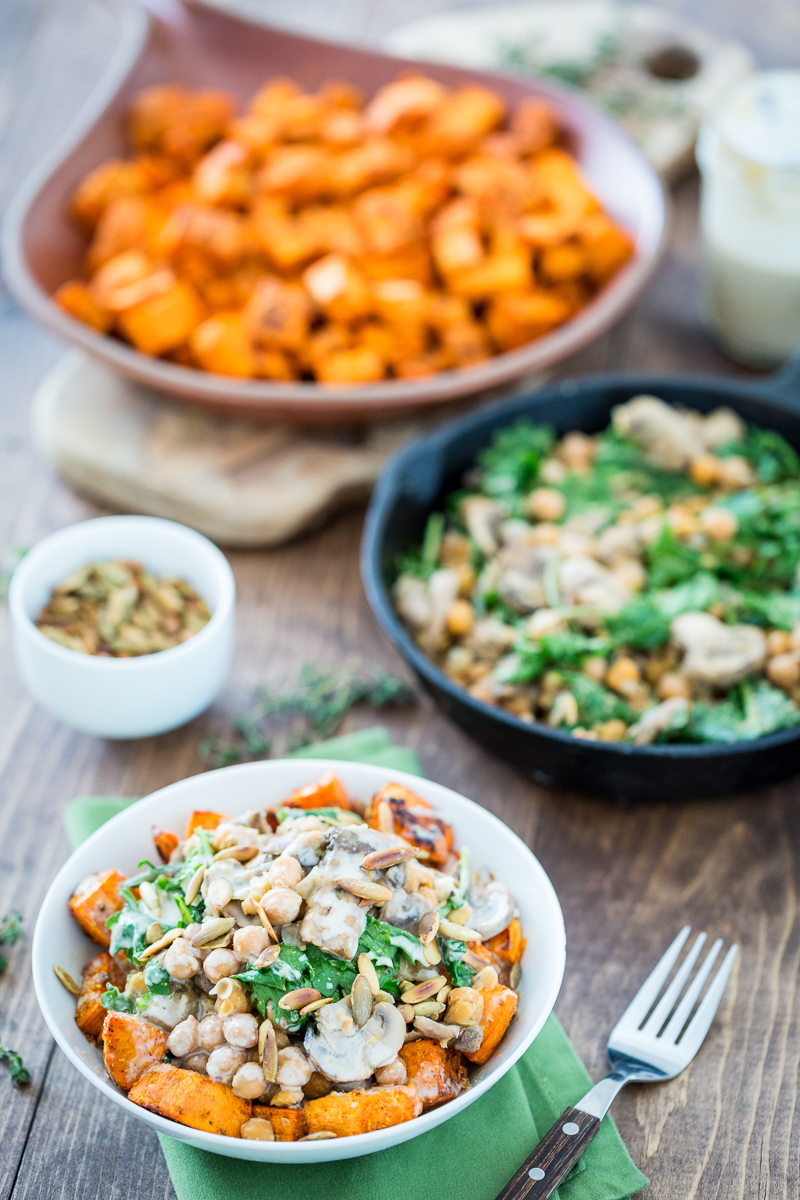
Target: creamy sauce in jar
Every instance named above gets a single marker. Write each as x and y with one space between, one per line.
749 155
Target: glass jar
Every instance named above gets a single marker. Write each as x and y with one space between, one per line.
748 152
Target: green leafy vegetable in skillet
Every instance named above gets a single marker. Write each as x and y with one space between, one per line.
640 584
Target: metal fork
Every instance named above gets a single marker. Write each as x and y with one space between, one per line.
641 1049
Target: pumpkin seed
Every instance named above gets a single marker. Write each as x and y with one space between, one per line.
162 943
459 933
381 860
213 931
361 1000
219 893
150 896
315 1004
365 889
153 933
385 817
67 981
515 976
321 1135
193 886
242 854
299 998
268 1051
425 990
460 916
428 1008
471 959
428 927
267 957
406 1012
265 921
432 954
367 969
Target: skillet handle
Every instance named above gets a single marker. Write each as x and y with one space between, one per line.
557 1152
784 386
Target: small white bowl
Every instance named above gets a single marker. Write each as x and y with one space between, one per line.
125 840
124 697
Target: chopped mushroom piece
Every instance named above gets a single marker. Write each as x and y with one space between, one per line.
716 654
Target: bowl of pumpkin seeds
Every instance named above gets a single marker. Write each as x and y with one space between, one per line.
123 626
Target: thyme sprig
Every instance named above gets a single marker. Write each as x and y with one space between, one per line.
10 932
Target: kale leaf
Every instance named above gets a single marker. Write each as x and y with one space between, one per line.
116 1001
129 927
640 624
751 711
452 952
771 456
510 463
595 702
19 1073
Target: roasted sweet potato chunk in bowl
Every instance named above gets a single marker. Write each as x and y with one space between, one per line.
282 1084
235 227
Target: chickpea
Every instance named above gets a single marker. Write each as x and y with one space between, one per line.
576 450
257 1130
224 1062
287 1098
595 667
406 1012
393 1073
784 670
794 638
241 1029
464 1006
294 1069
735 473
211 1033
318 1085
631 573
611 731
719 523
250 941
545 535
545 504
682 523
196 1062
672 684
460 915
219 964
285 872
455 549
552 471
231 997
460 618
778 642
184 1038
704 470
181 960
281 905
249 1083
544 620
623 676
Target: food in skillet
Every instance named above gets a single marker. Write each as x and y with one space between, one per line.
638 585
323 238
317 970
119 610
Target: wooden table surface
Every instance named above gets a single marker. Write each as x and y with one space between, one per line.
627 878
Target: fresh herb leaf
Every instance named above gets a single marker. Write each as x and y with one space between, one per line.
10 932
156 979
595 702
19 1073
771 456
751 711
561 648
640 624
670 561
695 595
452 953
510 463
129 927
779 609
116 1001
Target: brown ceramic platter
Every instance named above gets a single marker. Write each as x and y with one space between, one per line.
201 46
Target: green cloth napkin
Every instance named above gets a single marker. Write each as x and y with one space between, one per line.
481 1148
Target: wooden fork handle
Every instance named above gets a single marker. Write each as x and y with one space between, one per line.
557 1152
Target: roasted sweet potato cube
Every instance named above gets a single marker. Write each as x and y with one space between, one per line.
163 322
437 1072
509 944
499 1006
130 1046
300 173
386 220
562 264
76 299
127 223
222 176
221 345
535 125
277 315
274 364
93 901
414 820
402 101
200 819
102 970
379 160
467 114
605 245
359 365
410 262
338 288
191 1099
165 843
517 318
362 1111
288 1124
465 342
177 122
105 183
326 792
509 271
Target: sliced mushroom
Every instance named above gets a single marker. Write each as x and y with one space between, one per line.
721 426
342 1052
522 583
582 581
482 518
413 602
405 910
493 908
671 714
668 438
718 655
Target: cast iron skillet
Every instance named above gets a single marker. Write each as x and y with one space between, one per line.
416 480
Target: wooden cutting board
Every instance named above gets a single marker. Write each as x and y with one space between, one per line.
129 448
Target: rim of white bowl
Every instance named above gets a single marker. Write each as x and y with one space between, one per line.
96 662
362 1143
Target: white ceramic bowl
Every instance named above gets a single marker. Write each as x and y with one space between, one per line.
124 697
126 840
